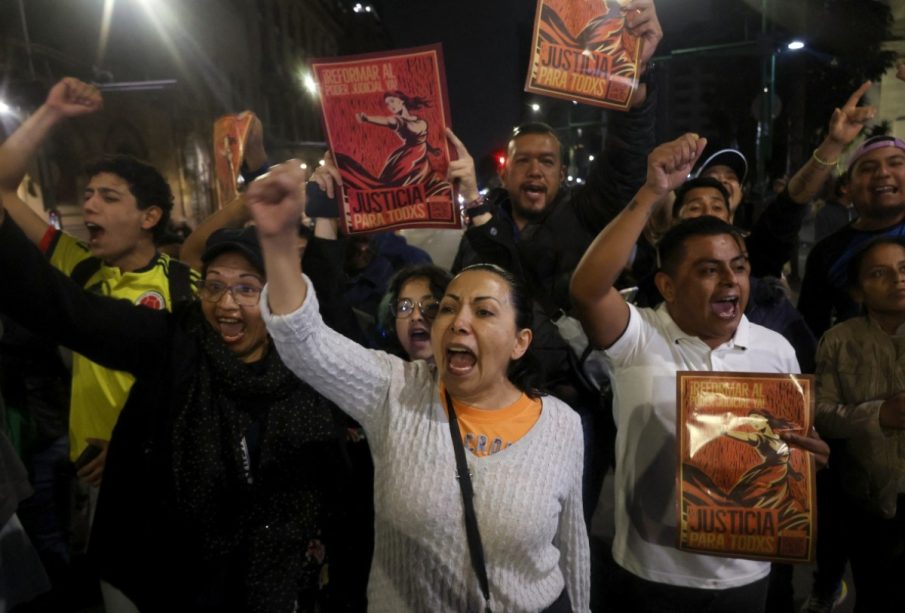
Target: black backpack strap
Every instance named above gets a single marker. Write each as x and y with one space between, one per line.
179 276
472 533
84 270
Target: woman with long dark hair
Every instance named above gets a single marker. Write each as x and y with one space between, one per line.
473 418
408 308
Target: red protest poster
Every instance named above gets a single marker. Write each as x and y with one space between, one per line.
385 115
742 491
230 132
582 51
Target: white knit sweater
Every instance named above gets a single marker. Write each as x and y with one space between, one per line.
527 496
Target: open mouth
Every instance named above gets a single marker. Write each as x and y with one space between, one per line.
460 361
725 308
95 232
535 192
231 329
419 335
885 189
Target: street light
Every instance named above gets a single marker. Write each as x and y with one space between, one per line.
795 45
309 83
535 107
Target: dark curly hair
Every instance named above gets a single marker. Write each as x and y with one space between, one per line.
145 182
436 277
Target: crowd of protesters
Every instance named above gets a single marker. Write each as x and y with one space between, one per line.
283 418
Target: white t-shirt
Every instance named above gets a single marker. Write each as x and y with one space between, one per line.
642 366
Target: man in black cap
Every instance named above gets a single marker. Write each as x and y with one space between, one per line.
773 237
729 167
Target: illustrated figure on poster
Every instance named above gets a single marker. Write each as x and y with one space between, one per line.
765 485
407 164
604 34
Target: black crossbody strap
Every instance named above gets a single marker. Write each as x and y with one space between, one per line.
475 548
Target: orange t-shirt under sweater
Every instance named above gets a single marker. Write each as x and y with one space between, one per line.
487 431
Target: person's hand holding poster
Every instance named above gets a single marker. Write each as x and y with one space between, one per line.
583 50
743 490
385 116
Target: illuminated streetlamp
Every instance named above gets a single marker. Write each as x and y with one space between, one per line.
309 83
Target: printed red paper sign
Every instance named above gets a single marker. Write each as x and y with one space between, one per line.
582 51
742 491
385 115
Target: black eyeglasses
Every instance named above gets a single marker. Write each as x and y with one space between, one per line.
404 308
244 295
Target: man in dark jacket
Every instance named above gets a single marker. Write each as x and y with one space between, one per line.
538 228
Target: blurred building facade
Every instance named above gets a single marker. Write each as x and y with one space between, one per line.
168 68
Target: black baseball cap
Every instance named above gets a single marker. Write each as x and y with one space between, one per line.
243 240
732 158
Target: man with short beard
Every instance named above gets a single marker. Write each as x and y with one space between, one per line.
538 229
701 326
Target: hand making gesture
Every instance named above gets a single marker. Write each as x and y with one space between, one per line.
72 98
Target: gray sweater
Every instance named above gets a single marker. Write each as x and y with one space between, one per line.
527 496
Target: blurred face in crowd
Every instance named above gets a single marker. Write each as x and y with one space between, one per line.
877 187
700 201
532 174
116 226
730 180
881 280
414 311
779 184
358 254
475 337
707 292
239 325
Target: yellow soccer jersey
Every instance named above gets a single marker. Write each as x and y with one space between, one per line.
98 393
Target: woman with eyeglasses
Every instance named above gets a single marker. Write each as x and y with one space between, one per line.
221 490
470 421
408 308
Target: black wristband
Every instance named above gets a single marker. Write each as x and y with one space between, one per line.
474 211
249 175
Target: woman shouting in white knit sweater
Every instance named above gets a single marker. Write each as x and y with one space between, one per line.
523 546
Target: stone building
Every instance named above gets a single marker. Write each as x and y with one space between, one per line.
168 68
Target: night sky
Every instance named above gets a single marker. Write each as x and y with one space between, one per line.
486 44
